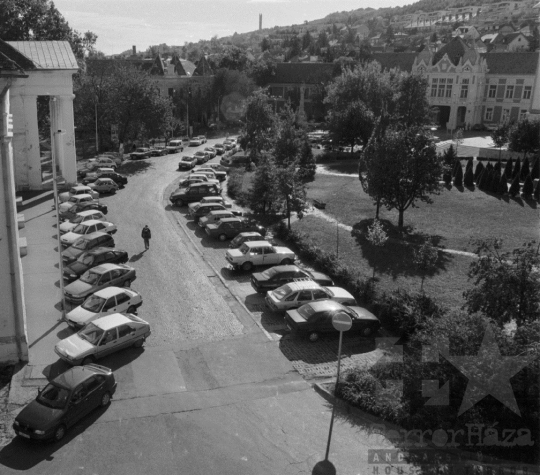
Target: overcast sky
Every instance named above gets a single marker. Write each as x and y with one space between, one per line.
121 24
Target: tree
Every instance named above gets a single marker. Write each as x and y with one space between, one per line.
514 187
425 259
449 160
534 40
286 142
458 138
503 185
469 165
307 40
478 171
377 237
410 165
528 187
505 284
265 44
468 179
535 170
537 191
500 137
517 169
525 136
307 165
458 177
525 169
509 167
291 192
260 124
262 196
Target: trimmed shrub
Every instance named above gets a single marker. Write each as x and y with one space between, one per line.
514 187
535 169
517 169
457 165
503 185
497 167
481 182
528 187
447 178
509 167
537 191
468 179
234 183
469 165
489 166
458 177
494 182
478 171
525 169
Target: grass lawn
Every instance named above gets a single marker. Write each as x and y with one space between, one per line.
453 219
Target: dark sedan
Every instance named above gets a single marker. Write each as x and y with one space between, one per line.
277 276
158 152
315 318
66 399
72 212
93 258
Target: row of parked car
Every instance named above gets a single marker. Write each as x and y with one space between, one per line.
308 299
97 284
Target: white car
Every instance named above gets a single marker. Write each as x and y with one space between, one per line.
102 303
78 190
195 142
86 227
102 162
79 218
75 200
256 253
214 216
104 185
296 294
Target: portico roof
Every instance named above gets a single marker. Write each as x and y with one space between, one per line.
51 55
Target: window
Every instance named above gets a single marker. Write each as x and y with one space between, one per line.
442 86
93 383
527 92
111 303
319 294
291 297
124 330
522 114
121 298
434 87
449 87
489 114
304 295
464 89
509 92
108 337
505 115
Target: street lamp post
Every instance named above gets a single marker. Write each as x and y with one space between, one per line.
96 97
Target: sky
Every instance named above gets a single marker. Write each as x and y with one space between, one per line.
121 24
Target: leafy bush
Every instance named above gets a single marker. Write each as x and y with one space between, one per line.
509 167
234 183
514 187
528 187
537 191
517 169
478 171
503 185
458 176
468 180
525 169
535 170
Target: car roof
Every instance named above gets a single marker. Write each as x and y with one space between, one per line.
217 212
286 268
258 244
89 212
80 187
303 285
232 219
325 305
211 203
105 179
102 268
73 377
101 250
111 321
109 292
90 222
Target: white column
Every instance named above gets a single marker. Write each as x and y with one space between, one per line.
26 155
63 135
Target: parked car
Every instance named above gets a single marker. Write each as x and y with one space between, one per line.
184 139
194 142
140 153
93 258
175 146
243 237
104 302
104 185
99 277
227 145
92 176
158 151
202 157
235 161
210 175
315 318
202 139
198 210
84 206
228 228
220 148
256 253
218 167
79 218
214 216
217 174
103 161
102 337
119 179
87 227
75 200
66 399
280 275
85 244
193 193
210 151
302 291
215 199
77 191
192 179
187 162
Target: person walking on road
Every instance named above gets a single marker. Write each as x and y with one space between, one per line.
146 235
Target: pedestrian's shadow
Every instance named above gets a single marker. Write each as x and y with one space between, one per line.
136 257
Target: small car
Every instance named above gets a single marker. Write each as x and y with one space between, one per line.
193 193
214 216
85 206
103 161
210 176
175 146
158 152
220 148
99 277
102 337
210 151
75 200
280 275
315 318
218 167
216 174
195 142
256 253
297 293
192 179
228 228
119 179
92 258
86 243
76 191
92 176
227 145
202 157
66 399
243 237
104 185
140 153
202 139
79 218
104 302
198 210
187 162
88 227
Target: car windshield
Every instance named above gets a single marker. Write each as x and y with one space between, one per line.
73 199
244 249
199 154
282 292
187 159
306 311
81 244
80 229
85 259
77 219
90 277
91 333
141 150
93 303
196 207
53 396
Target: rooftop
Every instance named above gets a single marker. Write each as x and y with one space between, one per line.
47 54
111 321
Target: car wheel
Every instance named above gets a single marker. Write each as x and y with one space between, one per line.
113 191
286 262
59 433
247 266
313 336
139 343
222 237
179 203
105 399
367 331
87 360
127 283
131 309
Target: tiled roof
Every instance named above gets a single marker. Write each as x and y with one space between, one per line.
47 54
203 68
511 63
188 67
455 49
298 73
403 61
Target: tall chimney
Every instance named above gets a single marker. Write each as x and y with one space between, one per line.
134 49
260 21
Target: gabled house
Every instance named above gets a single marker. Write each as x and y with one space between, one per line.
509 43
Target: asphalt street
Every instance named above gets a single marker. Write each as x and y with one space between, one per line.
212 391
